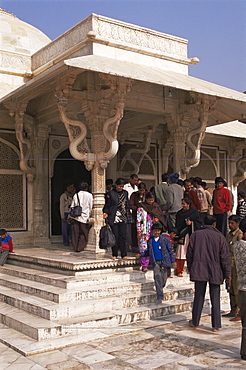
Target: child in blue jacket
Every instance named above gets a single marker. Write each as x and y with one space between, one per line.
161 258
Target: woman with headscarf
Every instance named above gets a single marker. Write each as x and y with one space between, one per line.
148 213
136 199
188 220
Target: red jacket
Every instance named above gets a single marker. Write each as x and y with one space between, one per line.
222 201
195 202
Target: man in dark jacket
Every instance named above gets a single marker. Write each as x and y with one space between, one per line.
208 260
117 211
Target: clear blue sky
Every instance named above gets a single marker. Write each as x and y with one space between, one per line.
216 29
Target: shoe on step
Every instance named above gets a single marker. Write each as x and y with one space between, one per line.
229 314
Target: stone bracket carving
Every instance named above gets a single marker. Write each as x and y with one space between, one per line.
94 104
17 111
187 142
141 149
238 162
204 106
241 168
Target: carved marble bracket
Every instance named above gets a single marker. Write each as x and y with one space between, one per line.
241 168
198 110
141 149
186 141
238 162
103 111
17 111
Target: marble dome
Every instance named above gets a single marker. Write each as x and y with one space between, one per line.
18 36
18 41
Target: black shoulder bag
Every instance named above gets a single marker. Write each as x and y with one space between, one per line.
77 210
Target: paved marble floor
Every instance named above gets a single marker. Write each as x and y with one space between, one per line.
169 346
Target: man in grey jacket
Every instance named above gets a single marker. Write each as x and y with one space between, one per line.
174 195
208 260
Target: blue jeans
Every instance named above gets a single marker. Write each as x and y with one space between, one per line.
66 230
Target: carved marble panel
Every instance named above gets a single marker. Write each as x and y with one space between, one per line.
62 44
99 29
14 62
142 37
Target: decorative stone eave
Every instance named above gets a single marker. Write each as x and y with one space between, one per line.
112 33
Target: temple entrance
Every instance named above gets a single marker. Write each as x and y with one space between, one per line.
66 170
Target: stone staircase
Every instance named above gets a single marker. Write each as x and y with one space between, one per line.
42 310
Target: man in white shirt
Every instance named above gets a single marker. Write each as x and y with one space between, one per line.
81 227
132 185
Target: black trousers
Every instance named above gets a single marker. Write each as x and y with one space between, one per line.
214 291
243 318
119 230
221 223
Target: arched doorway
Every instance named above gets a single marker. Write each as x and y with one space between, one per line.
66 170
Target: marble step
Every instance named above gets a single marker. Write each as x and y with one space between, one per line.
60 295
66 267
41 329
28 324
55 311
44 277
28 346
75 282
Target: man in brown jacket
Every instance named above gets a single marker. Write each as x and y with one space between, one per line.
234 235
208 260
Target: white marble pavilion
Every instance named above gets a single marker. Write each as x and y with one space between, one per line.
105 99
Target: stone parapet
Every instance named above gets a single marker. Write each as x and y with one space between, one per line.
112 33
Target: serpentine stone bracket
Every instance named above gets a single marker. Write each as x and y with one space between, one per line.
195 136
17 111
103 128
240 170
142 149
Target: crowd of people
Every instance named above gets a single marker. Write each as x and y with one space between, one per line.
174 222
